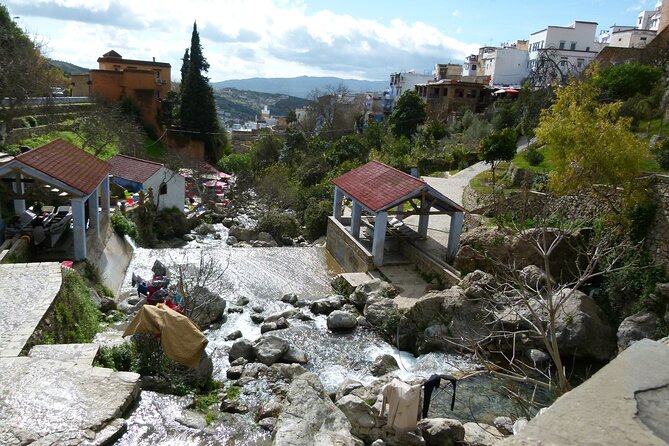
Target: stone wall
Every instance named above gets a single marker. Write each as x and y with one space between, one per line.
657 239
347 251
427 264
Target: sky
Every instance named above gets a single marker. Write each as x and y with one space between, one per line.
358 39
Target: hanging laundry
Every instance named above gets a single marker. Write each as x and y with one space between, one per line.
403 403
433 383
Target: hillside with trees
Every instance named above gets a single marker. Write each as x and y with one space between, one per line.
246 105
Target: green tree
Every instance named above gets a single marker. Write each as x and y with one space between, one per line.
291 117
266 152
408 114
347 148
498 147
198 109
238 163
593 143
621 82
185 62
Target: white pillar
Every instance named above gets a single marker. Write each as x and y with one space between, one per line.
93 213
380 226
79 230
356 214
423 219
338 200
19 205
105 197
457 219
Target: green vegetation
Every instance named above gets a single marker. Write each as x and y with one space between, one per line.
233 392
123 225
408 114
279 225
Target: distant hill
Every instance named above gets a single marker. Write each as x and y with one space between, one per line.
299 86
68 68
246 105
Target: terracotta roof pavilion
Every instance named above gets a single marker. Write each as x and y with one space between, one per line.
133 169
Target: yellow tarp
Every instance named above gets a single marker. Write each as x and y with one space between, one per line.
180 338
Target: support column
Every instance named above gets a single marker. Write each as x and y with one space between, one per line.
79 229
105 196
338 200
19 205
423 219
380 226
93 213
457 219
356 215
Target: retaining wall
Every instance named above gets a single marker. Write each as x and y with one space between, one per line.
346 250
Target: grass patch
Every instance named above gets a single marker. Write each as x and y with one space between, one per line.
547 165
233 393
153 149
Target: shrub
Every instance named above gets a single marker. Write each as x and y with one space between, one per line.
316 219
661 152
171 223
279 225
533 156
123 225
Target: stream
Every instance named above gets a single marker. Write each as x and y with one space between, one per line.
264 275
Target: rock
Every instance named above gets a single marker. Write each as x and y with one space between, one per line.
210 306
270 409
217 236
107 304
258 308
257 318
286 314
268 424
242 349
384 364
295 355
254 369
533 277
582 330
478 285
538 356
242 301
234 335
441 431
231 240
269 349
288 371
310 417
378 442
359 414
188 237
286 241
480 434
192 419
158 268
234 406
128 307
341 321
235 309
267 238
405 439
636 327
363 322
519 425
241 234
239 361
504 425
205 228
234 372
380 311
290 298
326 305
282 323
425 310
228 222
267 327
346 387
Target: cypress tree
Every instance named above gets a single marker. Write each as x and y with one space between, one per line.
198 109
184 66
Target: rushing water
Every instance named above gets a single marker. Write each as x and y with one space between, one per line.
264 275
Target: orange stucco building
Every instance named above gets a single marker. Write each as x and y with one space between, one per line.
146 82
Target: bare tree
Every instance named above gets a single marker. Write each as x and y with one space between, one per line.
549 68
335 111
106 125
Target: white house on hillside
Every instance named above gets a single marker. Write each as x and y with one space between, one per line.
637 36
134 174
406 81
571 47
506 65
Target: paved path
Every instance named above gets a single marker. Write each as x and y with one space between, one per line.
27 290
454 185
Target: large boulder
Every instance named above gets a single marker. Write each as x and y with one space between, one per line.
269 349
478 285
480 434
340 320
242 348
327 305
361 416
295 355
581 328
425 310
204 306
441 431
310 417
381 312
241 234
384 364
636 327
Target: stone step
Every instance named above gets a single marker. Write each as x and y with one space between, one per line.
78 353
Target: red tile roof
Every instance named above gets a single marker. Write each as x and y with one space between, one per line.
68 164
376 185
133 169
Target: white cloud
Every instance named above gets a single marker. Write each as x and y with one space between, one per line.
456 13
240 39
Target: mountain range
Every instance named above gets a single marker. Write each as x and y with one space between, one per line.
300 86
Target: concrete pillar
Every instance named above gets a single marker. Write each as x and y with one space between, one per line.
19 205
338 200
105 197
93 213
356 215
79 230
457 219
380 227
423 219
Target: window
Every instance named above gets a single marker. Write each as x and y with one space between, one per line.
562 42
471 93
459 92
587 48
563 63
163 189
474 65
643 39
580 63
572 46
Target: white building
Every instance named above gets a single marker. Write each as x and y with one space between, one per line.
470 67
169 188
571 47
406 81
506 65
638 36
